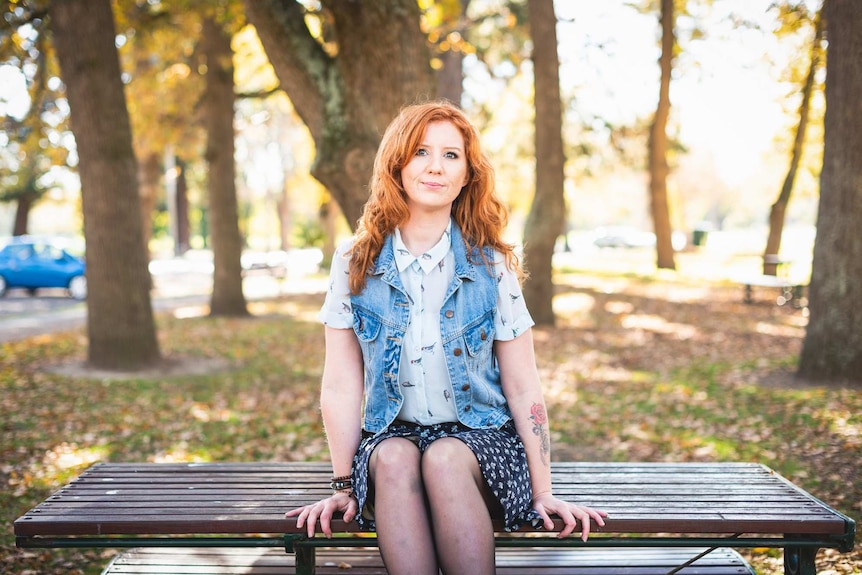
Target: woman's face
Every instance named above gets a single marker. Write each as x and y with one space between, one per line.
434 176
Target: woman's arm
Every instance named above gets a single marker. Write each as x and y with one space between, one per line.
340 404
523 390
341 397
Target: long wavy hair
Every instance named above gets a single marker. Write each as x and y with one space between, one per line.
477 210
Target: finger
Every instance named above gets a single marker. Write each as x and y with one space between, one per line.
351 511
311 521
599 516
325 524
585 527
569 521
547 523
300 520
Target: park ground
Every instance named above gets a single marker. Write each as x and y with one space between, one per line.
642 366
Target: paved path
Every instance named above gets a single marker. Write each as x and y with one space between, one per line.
23 316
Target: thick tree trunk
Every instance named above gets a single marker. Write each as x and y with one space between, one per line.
832 350
658 168
548 211
227 297
347 100
120 323
779 208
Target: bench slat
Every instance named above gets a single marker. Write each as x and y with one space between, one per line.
365 561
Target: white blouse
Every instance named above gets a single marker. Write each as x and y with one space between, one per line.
423 375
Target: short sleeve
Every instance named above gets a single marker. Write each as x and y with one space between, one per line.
512 317
337 311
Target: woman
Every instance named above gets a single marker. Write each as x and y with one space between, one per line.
430 397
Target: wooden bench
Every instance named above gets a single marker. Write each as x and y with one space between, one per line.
663 513
791 292
367 561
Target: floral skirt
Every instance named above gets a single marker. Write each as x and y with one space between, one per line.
501 458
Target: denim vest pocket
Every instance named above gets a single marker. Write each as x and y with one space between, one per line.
479 338
481 366
366 325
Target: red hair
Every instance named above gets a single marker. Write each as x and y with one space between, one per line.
477 210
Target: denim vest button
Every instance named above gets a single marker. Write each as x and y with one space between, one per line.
466 408
457 352
450 314
483 336
465 387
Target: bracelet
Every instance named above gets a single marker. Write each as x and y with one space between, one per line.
341 483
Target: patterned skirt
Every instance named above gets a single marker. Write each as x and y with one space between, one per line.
501 458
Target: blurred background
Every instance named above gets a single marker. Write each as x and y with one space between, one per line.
738 81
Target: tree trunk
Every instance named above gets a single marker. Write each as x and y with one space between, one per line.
832 350
450 78
779 208
22 213
347 100
658 168
183 229
283 206
227 297
120 324
149 169
548 211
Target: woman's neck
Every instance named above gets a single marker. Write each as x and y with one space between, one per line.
420 234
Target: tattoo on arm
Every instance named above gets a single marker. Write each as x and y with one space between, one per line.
540 430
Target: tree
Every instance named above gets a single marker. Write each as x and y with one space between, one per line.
449 39
779 208
349 81
35 143
120 324
658 144
163 93
832 349
227 296
548 211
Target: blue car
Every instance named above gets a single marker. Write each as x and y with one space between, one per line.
32 264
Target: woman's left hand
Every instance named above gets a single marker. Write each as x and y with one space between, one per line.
572 515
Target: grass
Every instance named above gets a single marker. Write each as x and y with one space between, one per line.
639 368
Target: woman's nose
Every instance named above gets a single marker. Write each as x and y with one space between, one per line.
434 165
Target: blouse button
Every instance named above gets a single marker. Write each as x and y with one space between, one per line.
450 314
457 352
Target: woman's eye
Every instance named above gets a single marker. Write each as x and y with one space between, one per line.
451 155
421 152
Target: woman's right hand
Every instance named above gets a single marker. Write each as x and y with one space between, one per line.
323 510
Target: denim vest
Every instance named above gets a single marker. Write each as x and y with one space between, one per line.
380 318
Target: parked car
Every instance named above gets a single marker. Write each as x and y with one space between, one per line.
34 263
622 237
627 237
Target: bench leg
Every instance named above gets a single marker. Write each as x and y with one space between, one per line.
800 560
748 295
304 557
